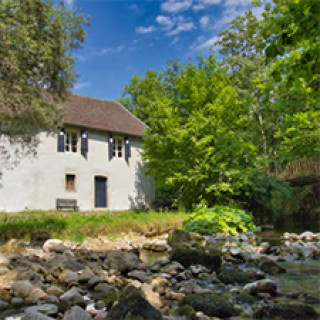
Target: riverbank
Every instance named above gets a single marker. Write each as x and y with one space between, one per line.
76 226
196 278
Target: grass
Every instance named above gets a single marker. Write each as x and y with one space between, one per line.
77 226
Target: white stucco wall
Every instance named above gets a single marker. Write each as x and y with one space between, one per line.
36 182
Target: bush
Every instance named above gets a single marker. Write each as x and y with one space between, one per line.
219 219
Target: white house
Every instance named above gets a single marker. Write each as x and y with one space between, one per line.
95 160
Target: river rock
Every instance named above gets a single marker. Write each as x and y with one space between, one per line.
73 296
54 245
233 276
132 305
48 309
139 275
76 313
286 311
307 236
55 291
188 257
123 261
158 245
213 305
38 294
68 277
264 285
271 267
21 289
180 238
150 295
4 261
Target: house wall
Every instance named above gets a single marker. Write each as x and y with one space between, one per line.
36 182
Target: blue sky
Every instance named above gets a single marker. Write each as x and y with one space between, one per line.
128 37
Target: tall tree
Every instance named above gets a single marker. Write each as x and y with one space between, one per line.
37 38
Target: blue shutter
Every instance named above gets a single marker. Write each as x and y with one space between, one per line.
84 141
127 147
61 138
110 142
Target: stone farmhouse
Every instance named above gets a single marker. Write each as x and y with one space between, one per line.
94 162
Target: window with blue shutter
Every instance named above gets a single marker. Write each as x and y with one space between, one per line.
84 141
111 144
61 137
127 147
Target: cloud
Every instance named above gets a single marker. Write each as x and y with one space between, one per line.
134 8
111 50
69 2
144 30
238 3
174 6
181 25
203 44
166 22
204 21
175 40
81 85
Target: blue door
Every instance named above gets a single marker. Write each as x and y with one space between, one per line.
100 192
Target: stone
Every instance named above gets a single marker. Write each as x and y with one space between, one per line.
71 295
3 270
54 245
180 238
186 311
188 257
286 311
33 315
213 305
3 305
123 261
264 285
233 276
17 301
150 295
132 305
68 277
139 275
108 298
21 289
307 236
271 267
38 293
48 309
4 261
55 291
76 313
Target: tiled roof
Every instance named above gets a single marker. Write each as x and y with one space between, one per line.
101 114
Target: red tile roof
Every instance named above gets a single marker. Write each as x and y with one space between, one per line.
101 114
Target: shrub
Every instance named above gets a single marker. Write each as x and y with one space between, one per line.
219 219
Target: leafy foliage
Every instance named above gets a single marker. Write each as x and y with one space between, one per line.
219 219
37 38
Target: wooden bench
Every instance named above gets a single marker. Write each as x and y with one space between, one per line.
66 204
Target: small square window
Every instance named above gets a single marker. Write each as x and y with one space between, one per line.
70 182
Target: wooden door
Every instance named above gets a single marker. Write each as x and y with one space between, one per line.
100 192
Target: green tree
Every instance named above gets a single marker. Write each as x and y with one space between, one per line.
37 38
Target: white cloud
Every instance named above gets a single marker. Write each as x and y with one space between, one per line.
203 44
175 40
175 6
143 30
181 25
69 2
204 21
166 22
81 85
237 3
111 50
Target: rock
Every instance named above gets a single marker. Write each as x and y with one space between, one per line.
38 293
151 296
108 298
3 305
265 285
180 238
76 313
48 309
233 276
102 287
35 316
139 275
286 311
3 270
54 245
4 261
17 301
308 251
213 305
68 277
188 257
158 245
55 291
131 306
123 261
186 311
72 296
269 266
21 289
307 236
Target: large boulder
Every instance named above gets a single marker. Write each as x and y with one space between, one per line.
213 305
132 306
286 311
180 238
264 285
123 261
188 257
54 245
271 267
233 276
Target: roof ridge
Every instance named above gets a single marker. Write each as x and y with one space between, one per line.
93 98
